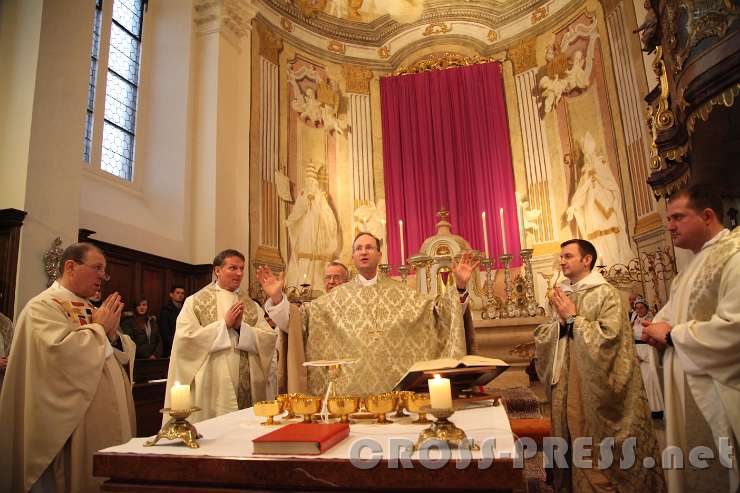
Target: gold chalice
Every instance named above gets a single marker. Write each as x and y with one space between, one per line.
381 404
268 409
343 406
415 403
287 400
306 406
403 396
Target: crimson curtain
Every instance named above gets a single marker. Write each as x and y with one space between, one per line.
446 143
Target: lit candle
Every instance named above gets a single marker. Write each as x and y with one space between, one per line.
180 397
400 231
485 233
439 392
503 229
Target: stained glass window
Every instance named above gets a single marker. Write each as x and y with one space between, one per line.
121 88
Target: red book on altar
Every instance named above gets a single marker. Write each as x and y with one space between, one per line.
301 438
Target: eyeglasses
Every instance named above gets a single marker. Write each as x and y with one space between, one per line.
99 270
367 248
333 277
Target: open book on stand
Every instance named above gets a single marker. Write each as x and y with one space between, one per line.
466 374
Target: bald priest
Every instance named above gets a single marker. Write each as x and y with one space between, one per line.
66 392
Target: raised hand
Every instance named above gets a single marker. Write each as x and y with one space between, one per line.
463 270
233 316
271 285
109 315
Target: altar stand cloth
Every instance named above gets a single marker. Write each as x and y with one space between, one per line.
231 435
225 463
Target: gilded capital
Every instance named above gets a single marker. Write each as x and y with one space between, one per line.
523 56
270 43
357 78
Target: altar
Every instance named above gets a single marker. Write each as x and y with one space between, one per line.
373 457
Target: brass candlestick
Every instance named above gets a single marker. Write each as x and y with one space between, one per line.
444 430
531 305
510 309
384 269
178 427
492 304
404 270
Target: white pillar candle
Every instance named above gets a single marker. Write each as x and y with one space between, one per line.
485 233
400 234
503 230
180 397
439 393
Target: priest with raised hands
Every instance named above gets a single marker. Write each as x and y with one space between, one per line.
382 323
223 347
67 393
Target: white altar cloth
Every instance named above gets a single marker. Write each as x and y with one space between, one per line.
231 435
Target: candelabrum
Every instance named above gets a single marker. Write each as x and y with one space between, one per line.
385 269
404 270
654 268
492 304
423 262
444 430
178 427
531 304
510 309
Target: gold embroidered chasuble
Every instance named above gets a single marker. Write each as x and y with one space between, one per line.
65 396
595 389
702 370
388 326
211 375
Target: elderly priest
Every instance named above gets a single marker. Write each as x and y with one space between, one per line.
384 324
66 392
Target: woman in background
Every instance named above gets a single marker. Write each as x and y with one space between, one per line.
143 330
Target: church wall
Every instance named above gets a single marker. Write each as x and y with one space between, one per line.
52 189
20 27
548 125
152 213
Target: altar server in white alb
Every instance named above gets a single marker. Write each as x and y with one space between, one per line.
223 347
67 393
700 327
648 356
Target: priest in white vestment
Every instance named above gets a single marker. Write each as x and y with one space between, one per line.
700 328
223 347
66 392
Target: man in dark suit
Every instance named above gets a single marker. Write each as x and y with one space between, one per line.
168 317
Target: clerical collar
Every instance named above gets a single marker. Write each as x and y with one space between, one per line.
58 285
590 281
367 282
236 291
715 239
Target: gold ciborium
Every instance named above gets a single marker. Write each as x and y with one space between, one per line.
403 397
306 406
444 430
380 404
343 406
415 403
268 409
178 427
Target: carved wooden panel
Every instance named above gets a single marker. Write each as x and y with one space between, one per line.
11 221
